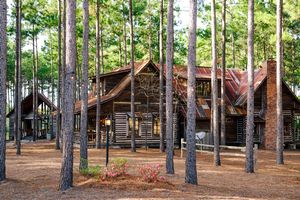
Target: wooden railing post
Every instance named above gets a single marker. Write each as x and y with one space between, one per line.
181 149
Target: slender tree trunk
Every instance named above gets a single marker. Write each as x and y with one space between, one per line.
124 34
161 77
214 85
233 50
98 66
52 81
36 88
84 103
63 72
33 86
279 63
3 62
133 149
250 95
223 108
190 163
102 49
66 174
18 95
169 90
58 116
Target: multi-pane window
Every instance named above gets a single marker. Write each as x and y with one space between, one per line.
203 88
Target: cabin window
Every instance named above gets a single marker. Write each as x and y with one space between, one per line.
156 127
203 88
130 126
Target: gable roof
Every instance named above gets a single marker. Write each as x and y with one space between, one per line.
235 84
92 102
27 103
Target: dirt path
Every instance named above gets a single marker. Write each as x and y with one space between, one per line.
34 175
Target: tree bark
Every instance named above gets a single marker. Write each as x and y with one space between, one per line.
34 133
223 88
190 163
169 90
279 63
133 149
214 85
233 50
63 72
250 94
58 116
98 66
161 77
84 98
3 62
124 34
18 92
66 174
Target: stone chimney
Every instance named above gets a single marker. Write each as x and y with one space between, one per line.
269 141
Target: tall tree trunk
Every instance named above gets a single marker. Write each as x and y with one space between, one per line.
33 86
161 77
52 82
59 83
63 72
133 149
223 108
279 63
232 49
98 66
190 163
214 85
84 99
3 62
169 90
18 95
66 174
124 34
250 95
36 88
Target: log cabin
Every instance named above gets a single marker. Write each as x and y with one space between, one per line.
44 106
115 102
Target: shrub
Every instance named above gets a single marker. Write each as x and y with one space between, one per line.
92 171
150 173
118 167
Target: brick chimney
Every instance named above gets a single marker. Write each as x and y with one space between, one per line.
270 117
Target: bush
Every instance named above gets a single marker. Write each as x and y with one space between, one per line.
150 173
118 167
92 171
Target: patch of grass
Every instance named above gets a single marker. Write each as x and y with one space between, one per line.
92 171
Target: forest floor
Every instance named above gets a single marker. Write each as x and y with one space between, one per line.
35 175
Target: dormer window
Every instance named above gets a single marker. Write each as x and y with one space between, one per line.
203 88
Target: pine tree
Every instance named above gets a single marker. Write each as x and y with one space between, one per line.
250 95
59 82
161 77
214 86
190 163
84 98
66 174
223 88
279 59
169 90
18 90
3 62
133 149
98 108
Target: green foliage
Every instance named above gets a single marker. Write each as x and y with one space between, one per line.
40 19
92 171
